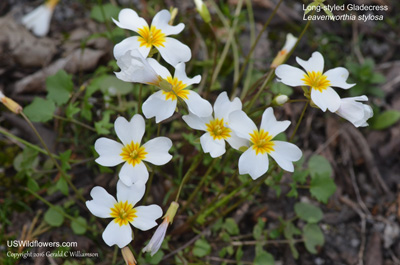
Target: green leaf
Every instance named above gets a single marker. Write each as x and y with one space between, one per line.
40 110
109 10
71 110
313 237
281 88
290 230
64 157
59 87
231 226
62 185
308 212
201 248
293 249
111 85
300 176
32 185
258 229
319 165
104 126
29 158
53 217
264 258
78 225
293 190
239 254
385 119
322 187
156 259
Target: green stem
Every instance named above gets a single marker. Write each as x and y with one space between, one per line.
268 79
198 187
70 217
255 43
189 173
66 178
75 121
299 121
139 110
227 44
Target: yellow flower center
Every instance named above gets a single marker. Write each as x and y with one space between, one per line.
151 37
133 153
178 89
217 129
261 142
123 212
316 80
51 3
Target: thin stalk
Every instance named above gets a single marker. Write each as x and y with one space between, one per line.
140 99
75 121
255 43
66 178
299 121
198 187
268 79
70 217
189 173
228 43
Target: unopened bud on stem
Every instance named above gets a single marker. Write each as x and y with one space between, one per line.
10 104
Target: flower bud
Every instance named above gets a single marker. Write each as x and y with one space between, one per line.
203 10
280 100
10 104
282 54
128 256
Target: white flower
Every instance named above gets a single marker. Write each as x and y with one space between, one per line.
162 104
39 19
131 152
123 212
216 127
172 50
156 240
322 93
354 111
254 161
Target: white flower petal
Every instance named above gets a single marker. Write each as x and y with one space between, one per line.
355 112
196 122
38 20
157 151
315 63
174 51
252 164
132 194
134 175
160 21
338 76
156 240
290 42
131 131
290 75
180 74
101 203
215 147
146 217
271 125
109 152
129 19
130 44
327 99
158 68
241 124
223 106
134 68
197 105
236 142
284 154
114 234
157 106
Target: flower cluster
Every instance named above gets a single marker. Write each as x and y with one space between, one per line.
223 122
320 84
